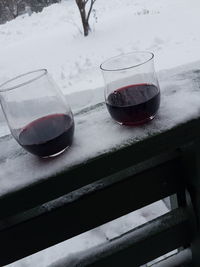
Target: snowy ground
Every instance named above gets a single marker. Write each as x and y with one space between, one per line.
52 40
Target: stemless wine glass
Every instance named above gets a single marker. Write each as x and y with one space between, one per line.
132 92
37 113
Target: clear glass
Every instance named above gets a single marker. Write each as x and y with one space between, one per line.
37 113
132 92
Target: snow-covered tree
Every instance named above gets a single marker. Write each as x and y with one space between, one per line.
85 8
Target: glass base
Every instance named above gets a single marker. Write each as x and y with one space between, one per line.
55 155
137 123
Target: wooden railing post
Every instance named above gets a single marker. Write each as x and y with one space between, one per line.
191 163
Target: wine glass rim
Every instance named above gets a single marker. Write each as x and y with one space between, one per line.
151 54
42 72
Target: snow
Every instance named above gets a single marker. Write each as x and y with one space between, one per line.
52 40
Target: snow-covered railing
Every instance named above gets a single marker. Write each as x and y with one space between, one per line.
109 171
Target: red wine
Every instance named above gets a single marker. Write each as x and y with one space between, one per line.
48 135
134 104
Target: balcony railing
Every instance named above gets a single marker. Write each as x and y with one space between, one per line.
110 171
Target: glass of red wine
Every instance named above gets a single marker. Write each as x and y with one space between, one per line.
37 113
132 92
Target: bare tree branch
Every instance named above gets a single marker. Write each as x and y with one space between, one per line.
84 14
91 6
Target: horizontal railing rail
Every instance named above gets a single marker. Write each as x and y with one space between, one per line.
139 245
101 202
80 175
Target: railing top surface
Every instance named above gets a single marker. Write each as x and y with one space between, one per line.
96 134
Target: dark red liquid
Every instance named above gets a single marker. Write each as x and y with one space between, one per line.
47 135
134 104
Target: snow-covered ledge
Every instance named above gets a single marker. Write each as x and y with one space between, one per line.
97 134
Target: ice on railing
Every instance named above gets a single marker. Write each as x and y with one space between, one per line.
96 133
